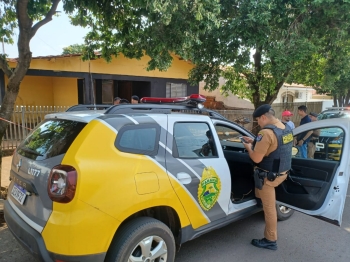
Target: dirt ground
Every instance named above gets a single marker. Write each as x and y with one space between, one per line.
5 171
5 181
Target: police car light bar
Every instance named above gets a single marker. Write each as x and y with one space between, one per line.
192 100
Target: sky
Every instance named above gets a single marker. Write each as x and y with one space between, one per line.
51 38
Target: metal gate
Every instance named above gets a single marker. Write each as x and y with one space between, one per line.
23 120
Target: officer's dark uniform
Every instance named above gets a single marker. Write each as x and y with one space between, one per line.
275 143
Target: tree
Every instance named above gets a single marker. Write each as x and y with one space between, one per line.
73 49
259 45
28 16
134 28
329 72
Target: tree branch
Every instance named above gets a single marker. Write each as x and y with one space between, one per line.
5 66
47 18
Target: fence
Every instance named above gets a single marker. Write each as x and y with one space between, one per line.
25 118
239 116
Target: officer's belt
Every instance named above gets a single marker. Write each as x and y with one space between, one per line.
264 174
271 176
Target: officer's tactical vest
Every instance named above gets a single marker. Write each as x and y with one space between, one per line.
279 160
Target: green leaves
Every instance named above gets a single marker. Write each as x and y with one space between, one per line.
73 49
8 20
136 28
268 42
255 45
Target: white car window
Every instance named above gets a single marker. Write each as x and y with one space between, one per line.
323 144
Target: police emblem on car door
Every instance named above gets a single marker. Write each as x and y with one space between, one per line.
199 166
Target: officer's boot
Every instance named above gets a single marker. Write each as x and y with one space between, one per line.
264 243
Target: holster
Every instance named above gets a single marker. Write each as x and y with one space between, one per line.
259 178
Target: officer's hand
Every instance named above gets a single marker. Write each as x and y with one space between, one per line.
247 146
300 143
248 139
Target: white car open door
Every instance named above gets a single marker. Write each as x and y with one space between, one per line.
318 186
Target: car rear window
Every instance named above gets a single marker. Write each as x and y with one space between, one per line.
51 138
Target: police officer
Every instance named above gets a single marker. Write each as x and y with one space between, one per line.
272 153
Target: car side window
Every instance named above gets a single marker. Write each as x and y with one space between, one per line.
323 144
229 137
138 139
193 140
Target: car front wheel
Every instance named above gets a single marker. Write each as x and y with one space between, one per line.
142 239
283 212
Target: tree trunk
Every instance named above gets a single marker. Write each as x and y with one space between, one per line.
340 101
335 101
347 98
15 77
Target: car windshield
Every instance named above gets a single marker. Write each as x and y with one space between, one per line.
334 114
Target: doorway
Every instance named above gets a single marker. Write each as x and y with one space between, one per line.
126 89
106 90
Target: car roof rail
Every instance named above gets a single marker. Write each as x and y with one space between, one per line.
338 108
160 109
81 107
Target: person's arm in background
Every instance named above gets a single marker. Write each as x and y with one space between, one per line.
308 134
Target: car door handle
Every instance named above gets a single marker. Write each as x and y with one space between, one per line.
184 178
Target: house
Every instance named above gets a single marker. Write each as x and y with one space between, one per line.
66 80
289 93
222 101
296 93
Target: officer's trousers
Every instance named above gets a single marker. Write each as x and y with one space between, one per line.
268 198
311 148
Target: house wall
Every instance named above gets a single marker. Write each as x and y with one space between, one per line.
308 94
231 100
35 91
118 66
65 91
47 91
64 69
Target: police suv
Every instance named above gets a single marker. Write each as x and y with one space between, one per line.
134 182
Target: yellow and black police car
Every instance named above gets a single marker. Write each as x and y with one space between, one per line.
133 182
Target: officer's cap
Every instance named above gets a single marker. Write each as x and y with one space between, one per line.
261 110
313 114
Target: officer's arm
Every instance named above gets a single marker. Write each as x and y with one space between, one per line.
263 142
255 156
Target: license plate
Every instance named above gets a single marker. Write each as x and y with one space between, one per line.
18 193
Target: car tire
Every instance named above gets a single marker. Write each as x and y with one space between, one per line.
283 212
143 231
